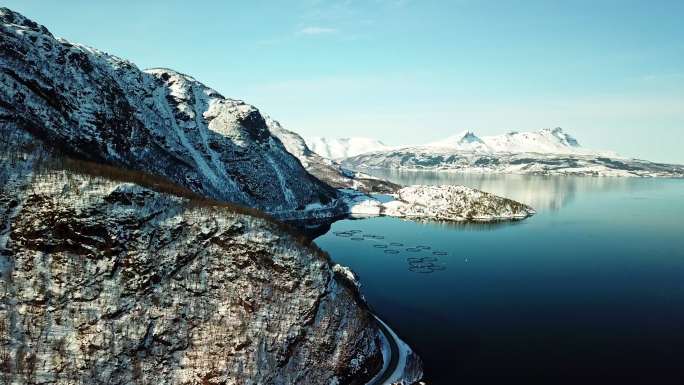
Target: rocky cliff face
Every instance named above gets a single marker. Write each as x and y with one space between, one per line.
95 106
108 282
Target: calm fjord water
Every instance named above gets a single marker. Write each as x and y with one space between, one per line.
590 289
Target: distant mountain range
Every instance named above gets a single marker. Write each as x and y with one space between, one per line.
327 170
344 147
545 141
545 152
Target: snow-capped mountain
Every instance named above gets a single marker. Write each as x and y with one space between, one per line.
87 104
545 141
547 152
466 141
327 170
441 159
344 147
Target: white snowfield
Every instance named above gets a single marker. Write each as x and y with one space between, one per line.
442 203
544 141
344 147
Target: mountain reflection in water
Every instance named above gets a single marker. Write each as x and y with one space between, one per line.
543 193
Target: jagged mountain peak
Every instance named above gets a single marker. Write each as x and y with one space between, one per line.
465 140
547 140
464 137
469 136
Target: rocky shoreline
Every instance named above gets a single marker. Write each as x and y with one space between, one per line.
439 203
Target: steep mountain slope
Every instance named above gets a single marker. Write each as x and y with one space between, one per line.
95 106
344 147
105 281
329 171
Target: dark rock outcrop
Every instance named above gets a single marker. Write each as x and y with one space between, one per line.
110 282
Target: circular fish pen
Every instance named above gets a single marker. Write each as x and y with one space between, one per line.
424 265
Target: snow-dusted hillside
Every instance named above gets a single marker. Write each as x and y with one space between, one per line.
445 203
327 170
440 159
107 282
88 104
344 147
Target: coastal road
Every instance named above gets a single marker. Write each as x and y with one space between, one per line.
385 378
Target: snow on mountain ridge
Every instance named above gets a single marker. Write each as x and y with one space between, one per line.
344 147
544 141
466 140
91 105
327 170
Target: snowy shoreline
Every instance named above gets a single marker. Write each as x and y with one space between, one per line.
564 172
446 203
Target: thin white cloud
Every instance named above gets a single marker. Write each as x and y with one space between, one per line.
317 31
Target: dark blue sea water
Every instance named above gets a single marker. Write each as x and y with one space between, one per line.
588 291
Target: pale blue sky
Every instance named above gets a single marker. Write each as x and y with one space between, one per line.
610 72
